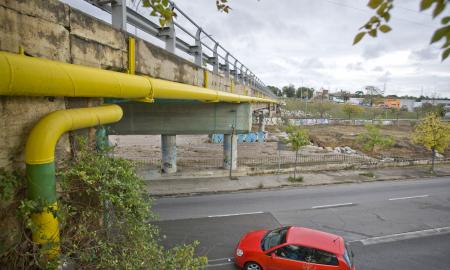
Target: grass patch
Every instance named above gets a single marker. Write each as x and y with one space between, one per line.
296 179
368 174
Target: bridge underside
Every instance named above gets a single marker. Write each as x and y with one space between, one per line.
183 117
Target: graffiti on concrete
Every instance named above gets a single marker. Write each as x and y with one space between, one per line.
241 138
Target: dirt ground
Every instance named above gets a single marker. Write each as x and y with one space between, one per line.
332 136
197 147
188 147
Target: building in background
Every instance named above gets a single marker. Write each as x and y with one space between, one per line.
393 103
408 104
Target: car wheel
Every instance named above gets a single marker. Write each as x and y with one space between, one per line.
252 266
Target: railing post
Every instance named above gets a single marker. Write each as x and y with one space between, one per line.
227 66
119 14
235 74
241 75
216 59
198 48
170 38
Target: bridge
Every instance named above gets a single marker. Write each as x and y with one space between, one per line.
62 71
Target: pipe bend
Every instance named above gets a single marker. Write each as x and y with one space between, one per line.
41 143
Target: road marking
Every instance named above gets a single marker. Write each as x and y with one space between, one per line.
222 259
219 264
237 214
411 197
332 205
404 236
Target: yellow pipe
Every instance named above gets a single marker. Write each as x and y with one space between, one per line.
205 78
39 157
51 78
131 55
31 76
40 147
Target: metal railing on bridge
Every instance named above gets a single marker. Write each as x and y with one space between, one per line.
221 60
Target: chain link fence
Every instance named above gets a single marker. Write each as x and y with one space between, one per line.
272 162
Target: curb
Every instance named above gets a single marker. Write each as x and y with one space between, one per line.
296 185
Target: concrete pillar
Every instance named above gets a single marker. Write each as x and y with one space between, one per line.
230 151
262 124
169 153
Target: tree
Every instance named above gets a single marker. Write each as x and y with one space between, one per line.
372 139
164 10
379 22
433 134
324 107
297 137
289 91
436 109
275 90
305 92
359 93
396 113
350 109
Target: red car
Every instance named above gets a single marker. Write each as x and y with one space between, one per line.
290 248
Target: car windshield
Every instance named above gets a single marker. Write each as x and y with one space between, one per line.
274 238
348 256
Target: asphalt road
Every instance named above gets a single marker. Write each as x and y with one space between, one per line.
374 217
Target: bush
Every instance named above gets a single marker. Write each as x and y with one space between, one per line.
373 139
368 174
104 219
295 179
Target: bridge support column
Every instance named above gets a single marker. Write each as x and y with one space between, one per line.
230 151
169 153
262 124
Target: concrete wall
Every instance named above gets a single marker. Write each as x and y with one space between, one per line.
52 30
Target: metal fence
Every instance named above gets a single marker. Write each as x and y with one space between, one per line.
288 161
267 162
196 43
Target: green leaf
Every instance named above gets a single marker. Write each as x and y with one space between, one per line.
374 3
438 9
440 33
386 16
373 33
445 54
426 4
445 20
358 37
374 19
385 28
382 9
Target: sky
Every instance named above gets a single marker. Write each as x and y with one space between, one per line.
309 43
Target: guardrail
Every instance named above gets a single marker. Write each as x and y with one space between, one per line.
221 60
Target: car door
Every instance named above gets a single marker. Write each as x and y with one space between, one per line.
288 257
322 260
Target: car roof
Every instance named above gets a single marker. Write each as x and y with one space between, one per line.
315 239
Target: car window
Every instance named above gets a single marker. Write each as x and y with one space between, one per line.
323 257
274 238
347 256
294 252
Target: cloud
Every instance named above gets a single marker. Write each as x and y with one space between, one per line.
385 77
355 66
373 51
425 54
378 68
